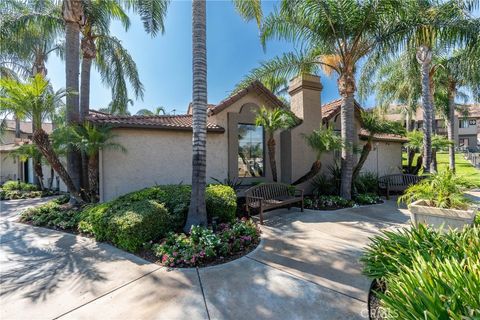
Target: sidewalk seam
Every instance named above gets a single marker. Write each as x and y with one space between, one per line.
303 279
203 293
107 293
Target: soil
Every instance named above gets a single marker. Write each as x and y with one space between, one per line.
375 310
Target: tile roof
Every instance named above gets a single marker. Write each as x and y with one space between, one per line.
329 110
26 126
383 137
165 122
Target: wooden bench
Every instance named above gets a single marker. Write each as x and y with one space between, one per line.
267 196
397 182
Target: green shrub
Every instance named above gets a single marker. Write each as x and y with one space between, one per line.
367 198
19 194
442 190
17 185
203 245
328 202
366 182
137 223
51 215
434 289
93 220
390 251
221 202
323 185
477 219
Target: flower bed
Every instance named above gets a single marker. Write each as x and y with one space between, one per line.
204 246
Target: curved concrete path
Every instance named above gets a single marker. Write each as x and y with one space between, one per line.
305 268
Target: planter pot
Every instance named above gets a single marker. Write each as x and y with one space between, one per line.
420 212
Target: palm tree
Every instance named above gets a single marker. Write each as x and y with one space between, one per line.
272 121
37 101
374 124
30 151
321 141
157 111
334 35
89 139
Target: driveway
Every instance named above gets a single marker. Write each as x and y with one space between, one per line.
305 268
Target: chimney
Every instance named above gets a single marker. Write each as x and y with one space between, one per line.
305 100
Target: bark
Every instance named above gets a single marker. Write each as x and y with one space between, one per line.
433 166
52 176
271 156
346 84
197 214
314 170
451 122
89 51
40 138
93 177
17 127
410 151
363 157
419 164
73 16
424 57
37 167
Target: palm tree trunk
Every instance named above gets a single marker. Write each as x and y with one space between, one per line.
197 214
37 167
271 156
314 170
40 138
73 16
88 54
93 177
451 122
363 157
410 151
52 176
17 127
433 166
424 57
416 170
346 84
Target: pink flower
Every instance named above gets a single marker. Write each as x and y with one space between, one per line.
175 254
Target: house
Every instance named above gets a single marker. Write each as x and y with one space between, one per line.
11 168
466 130
159 147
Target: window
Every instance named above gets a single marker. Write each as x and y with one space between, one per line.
463 123
472 122
250 151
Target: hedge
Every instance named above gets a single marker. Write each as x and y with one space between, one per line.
221 202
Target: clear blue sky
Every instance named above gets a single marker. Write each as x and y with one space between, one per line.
164 62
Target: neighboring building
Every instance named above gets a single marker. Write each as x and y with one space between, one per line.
159 147
466 126
13 169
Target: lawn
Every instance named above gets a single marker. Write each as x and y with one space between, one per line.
464 167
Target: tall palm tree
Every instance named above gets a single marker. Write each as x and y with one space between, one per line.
37 101
249 9
273 121
335 36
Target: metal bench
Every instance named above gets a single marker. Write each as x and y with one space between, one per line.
397 182
271 195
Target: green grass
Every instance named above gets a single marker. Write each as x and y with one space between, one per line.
463 167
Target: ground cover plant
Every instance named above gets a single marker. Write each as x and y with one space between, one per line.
204 246
426 273
12 190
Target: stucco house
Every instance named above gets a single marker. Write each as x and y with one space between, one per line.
11 168
159 147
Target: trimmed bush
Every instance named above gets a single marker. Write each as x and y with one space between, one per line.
20 186
51 215
136 224
221 202
367 198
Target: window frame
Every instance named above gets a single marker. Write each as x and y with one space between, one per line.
264 145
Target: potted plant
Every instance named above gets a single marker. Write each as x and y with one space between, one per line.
439 200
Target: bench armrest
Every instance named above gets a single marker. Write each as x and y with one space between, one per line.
298 192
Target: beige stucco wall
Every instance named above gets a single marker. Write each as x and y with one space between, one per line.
387 156
156 157
8 167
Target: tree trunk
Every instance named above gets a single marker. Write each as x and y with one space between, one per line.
93 177
433 166
419 164
314 170
197 213
424 57
410 151
271 156
40 138
346 84
73 16
37 167
52 176
451 122
363 157
89 51
17 127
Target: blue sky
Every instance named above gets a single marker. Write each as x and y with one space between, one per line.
164 62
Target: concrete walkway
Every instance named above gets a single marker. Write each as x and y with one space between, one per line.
305 268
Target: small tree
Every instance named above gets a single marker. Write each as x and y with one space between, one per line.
374 125
273 121
322 140
30 151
